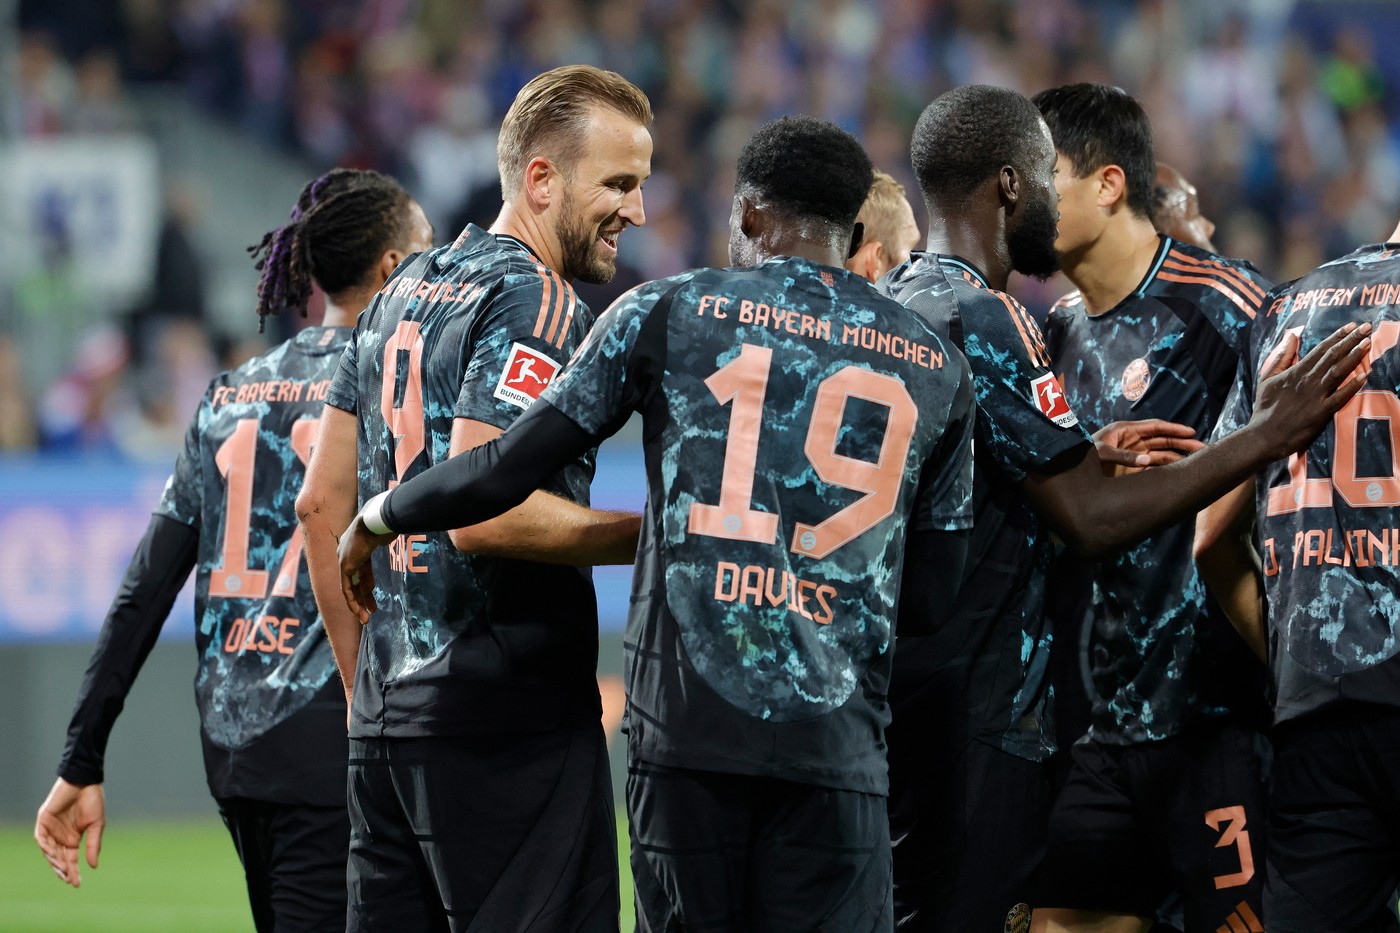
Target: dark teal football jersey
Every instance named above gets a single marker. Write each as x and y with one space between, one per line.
465 644
797 425
1161 654
997 643
266 706
1329 518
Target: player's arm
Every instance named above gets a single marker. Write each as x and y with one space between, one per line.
1229 563
941 525
481 483
544 527
1097 516
74 806
325 506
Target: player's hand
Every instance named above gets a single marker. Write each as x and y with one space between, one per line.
356 571
66 815
1130 446
1296 400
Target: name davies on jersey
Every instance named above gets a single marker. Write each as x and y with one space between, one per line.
744 311
767 586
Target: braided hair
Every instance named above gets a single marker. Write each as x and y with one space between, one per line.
342 223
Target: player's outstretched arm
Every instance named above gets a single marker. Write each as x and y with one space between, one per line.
1098 516
545 527
67 814
327 502
1229 563
479 484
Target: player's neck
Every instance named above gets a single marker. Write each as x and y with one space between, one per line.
342 309
1108 269
980 241
1395 237
812 242
532 230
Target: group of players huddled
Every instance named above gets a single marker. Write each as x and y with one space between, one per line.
839 704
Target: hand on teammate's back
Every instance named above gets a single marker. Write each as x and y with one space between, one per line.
1129 446
1296 400
66 814
356 571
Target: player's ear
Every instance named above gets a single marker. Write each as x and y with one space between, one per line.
540 180
750 217
1009 185
388 262
866 260
857 238
1113 185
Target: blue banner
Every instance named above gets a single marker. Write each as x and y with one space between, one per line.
68 528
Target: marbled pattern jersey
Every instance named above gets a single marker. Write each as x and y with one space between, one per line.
465 644
996 646
1329 519
797 425
1162 653
263 654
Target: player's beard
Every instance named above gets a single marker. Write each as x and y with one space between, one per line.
584 258
1032 243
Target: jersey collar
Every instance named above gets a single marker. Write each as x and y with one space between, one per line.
964 266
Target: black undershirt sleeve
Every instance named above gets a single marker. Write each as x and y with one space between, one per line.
483 482
154 578
933 572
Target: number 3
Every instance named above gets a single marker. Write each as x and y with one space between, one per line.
744 381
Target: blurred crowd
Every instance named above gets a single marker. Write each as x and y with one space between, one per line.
1282 113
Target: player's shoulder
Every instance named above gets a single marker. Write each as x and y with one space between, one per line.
1208 279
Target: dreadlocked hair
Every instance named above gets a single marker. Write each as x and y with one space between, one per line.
342 223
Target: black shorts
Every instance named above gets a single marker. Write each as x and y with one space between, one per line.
1138 823
969 828
722 852
294 862
1334 826
500 834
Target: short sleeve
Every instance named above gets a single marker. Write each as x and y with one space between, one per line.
527 332
945 493
603 382
183 497
1024 418
345 387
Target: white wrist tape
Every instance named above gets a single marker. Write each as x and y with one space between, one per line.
372 515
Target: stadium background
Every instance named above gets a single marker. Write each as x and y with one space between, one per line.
144 144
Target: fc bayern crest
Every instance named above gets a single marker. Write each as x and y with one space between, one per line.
1136 376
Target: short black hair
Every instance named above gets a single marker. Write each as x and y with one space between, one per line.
966 135
1094 125
808 167
342 223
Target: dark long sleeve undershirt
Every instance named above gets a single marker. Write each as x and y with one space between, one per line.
483 482
154 578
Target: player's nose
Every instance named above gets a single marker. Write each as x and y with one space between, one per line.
632 209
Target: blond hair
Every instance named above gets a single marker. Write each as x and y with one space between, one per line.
550 118
881 211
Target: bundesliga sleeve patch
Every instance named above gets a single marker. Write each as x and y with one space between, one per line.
527 374
1050 399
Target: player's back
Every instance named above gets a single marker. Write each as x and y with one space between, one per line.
263 686
465 644
1329 519
991 660
804 424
